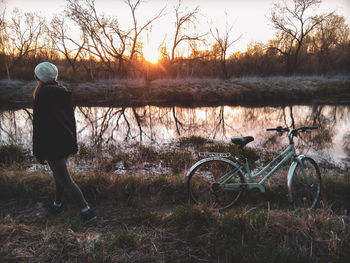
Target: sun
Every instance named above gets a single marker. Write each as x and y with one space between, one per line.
151 54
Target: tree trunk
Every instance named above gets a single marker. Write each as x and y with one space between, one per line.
8 72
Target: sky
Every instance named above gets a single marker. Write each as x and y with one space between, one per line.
249 18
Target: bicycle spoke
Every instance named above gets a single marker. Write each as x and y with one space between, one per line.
306 184
204 184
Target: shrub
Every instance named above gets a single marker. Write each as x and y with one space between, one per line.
94 185
148 153
25 186
177 160
86 151
11 154
192 140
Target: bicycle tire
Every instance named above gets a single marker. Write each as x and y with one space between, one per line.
306 194
203 185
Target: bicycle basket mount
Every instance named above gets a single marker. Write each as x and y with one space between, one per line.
213 154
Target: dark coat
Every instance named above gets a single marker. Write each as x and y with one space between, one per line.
54 128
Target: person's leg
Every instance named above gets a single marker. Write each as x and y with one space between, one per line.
65 182
59 191
56 207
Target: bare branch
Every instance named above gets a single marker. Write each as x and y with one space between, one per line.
182 19
223 43
136 29
293 27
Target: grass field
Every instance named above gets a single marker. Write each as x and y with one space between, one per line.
144 214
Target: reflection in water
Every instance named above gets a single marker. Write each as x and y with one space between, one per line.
154 125
16 127
347 144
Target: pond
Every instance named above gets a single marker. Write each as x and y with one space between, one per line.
158 125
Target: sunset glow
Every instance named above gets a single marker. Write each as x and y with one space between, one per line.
180 38
151 54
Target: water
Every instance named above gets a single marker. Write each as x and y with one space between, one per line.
158 125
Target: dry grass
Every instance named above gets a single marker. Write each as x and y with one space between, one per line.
145 217
191 92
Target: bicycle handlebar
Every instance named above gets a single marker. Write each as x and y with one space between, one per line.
307 128
292 132
278 128
302 129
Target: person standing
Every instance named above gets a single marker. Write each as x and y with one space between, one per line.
54 136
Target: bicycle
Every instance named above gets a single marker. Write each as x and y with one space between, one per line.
219 179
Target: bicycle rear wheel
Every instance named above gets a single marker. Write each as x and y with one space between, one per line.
306 184
204 181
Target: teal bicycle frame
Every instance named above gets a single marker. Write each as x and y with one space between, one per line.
287 154
241 165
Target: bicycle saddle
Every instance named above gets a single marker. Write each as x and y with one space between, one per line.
242 141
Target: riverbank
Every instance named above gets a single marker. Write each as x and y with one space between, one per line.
252 91
139 193
174 157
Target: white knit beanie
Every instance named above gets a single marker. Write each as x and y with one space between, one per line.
46 71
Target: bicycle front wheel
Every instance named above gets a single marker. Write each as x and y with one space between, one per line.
306 184
204 181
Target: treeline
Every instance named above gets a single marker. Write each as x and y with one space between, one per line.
101 49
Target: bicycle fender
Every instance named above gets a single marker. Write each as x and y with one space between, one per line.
193 167
291 170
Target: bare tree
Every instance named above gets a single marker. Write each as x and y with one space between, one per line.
64 44
23 32
44 49
2 21
195 58
104 37
183 19
293 24
222 44
331 33
137 30
3 37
